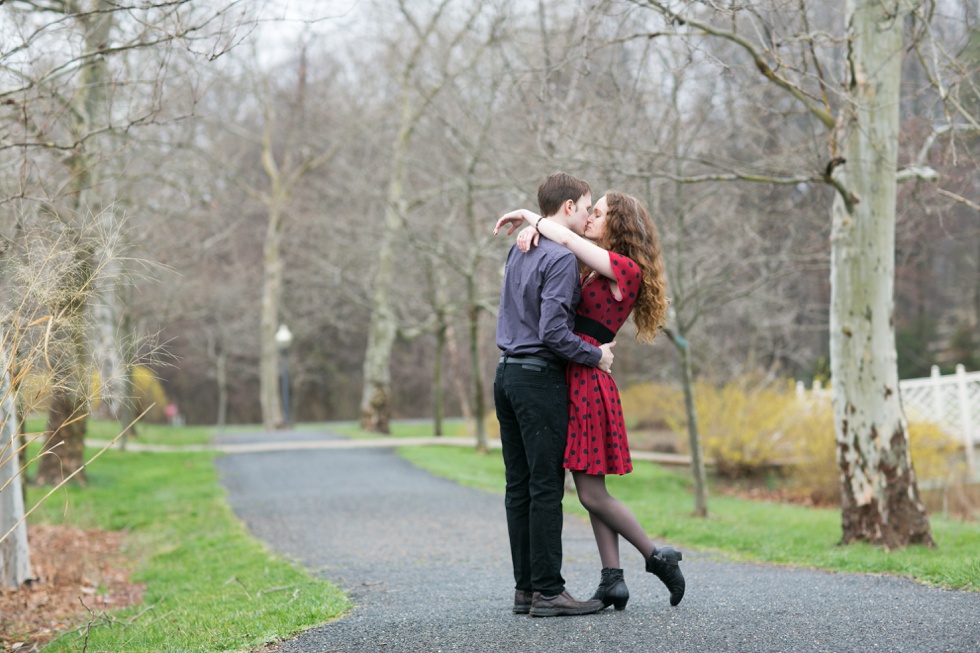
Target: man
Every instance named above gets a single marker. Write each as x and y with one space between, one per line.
534 333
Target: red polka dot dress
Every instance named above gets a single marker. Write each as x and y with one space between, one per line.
597 441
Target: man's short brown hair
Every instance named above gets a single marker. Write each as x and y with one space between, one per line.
557 188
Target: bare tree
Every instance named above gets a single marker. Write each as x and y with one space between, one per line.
416 94
860 117
65 91
295 162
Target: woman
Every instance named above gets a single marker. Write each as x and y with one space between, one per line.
622 274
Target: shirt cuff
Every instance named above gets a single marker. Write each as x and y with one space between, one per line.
595 357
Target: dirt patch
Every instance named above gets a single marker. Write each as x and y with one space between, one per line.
959 501
78 575
744 490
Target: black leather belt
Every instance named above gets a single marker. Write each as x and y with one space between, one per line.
532 361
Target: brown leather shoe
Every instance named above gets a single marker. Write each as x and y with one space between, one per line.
562 605
522 601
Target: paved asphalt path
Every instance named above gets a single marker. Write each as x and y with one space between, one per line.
426 564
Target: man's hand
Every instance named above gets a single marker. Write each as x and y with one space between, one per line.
605 363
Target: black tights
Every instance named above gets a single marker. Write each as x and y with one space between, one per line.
610 518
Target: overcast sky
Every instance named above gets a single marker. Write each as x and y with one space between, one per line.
284 23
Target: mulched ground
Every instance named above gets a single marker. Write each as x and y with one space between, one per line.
78 574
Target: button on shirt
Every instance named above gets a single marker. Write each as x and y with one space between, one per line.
537 306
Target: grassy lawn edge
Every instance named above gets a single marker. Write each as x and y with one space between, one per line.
210 586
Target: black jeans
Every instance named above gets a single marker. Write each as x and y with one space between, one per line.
532 408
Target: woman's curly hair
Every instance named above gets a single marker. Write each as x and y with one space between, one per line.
629 231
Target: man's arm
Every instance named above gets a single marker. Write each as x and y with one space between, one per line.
560 279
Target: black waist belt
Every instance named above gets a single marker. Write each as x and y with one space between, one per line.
589 327
533 361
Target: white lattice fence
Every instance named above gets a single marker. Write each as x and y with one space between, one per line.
952 401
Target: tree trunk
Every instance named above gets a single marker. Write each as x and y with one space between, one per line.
693 434
376 395
976 290
283 178
91 115
126 411
221 380
437 399
459 377
105 352
880 500
475 227
107 318
479 405
678 336
64 447
269 395
15 561
127 400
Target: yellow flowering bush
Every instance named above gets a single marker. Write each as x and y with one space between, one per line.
35 392
743 425
149 394
651 405
935 454
749 426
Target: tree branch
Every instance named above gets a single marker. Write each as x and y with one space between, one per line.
922 173
822 113
958 198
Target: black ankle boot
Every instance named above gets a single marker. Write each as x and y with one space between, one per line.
612 589
663 565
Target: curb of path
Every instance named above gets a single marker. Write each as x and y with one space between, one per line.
350 443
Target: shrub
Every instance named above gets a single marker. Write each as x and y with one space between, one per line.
149 394
749 427
742 425
651 406
814 473
935 454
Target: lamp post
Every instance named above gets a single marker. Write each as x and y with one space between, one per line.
284 338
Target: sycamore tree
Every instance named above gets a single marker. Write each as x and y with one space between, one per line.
842 67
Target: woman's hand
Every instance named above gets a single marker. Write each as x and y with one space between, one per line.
515 219
527 239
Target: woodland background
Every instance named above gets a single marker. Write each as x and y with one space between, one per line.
386 137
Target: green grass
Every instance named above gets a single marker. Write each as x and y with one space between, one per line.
210 586
739 529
